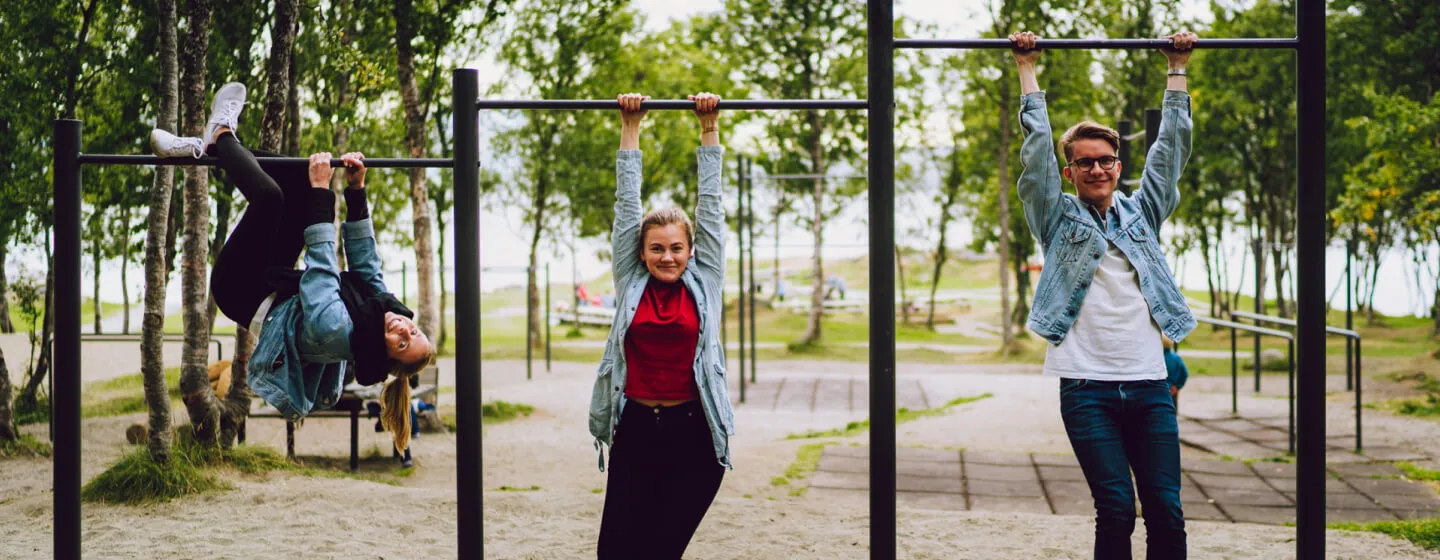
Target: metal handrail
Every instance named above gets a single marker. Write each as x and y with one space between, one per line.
167 337
1352 362
1235 367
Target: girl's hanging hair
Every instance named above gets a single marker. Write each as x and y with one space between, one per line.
395 400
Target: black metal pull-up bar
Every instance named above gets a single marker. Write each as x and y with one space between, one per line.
210 161
1096 43
676 104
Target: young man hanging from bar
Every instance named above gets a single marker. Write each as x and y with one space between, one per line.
1104 299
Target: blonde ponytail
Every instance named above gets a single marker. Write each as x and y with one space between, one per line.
395 400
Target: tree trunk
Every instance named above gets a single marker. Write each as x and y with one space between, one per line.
7 414
29 398
6 325
236 406
124 267
813 332
942 254
1277 257
904 300
419 198
200 401
1007 334
277 74
291 145
152 356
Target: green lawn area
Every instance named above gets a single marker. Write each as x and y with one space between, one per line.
87 313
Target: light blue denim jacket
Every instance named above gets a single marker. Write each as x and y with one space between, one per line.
1074 243
704 277
299 361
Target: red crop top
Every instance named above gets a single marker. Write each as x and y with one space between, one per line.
660 345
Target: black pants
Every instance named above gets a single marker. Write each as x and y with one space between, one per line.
270 233
663 477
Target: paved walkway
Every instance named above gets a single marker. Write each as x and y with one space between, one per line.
1267 437
1211 490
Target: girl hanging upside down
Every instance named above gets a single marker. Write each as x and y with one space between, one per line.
315 326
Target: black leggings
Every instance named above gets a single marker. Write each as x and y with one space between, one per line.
270 233
663 476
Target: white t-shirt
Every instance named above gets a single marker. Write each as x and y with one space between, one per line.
1114 337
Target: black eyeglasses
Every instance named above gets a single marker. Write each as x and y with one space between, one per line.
1085 164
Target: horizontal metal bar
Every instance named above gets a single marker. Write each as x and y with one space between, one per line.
1244 327
809 176
1290 323
208 161
674 104
1095 43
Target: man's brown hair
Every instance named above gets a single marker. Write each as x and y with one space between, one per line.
1088 130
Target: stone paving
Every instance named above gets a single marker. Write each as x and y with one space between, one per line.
1211 490
1242 437
814 394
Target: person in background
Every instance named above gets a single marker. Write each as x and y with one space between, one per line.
1175 371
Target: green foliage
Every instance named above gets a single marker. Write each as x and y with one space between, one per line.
25 446
1414 472
493 413
1423 532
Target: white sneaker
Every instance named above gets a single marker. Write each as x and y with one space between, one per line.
225 109
168 145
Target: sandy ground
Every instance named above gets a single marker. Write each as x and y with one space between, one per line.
294 516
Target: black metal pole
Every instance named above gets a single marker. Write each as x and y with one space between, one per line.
1259 301
1152 128
674 104
208 161
750 236
1349 318
1145 44
1234 376
1358 445
529 333
1310 225
547 317
1291 361
468 423
66 403
881 128
740 260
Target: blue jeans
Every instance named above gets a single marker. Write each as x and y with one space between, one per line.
1116 427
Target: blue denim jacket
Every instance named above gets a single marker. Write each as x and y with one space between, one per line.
704 277
1074 243
299 360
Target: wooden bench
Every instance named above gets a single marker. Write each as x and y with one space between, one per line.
352 402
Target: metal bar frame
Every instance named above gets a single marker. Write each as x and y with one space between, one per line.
673 104
211 161
1110 44
880 24
1352 359
1309 45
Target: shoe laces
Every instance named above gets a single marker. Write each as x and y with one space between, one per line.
228 112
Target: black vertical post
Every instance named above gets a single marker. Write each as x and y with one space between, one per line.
547 317
1358 445
1152 128
529 333
466 135
1126 128
881 126
66 354
1255 246
750 236
1350 361
1234 376
1310 271
1291 361
740 235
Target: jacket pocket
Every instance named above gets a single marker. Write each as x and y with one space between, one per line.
1075 242
601 397
720 392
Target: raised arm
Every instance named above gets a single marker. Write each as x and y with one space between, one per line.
710 209
625 232
1159 192
327 325
361 255
1039 182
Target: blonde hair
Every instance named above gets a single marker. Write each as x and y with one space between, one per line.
664 217
1088 130
395 399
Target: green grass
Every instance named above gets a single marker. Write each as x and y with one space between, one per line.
807 460
1418 473
25 446
87 314
1422 532
531 488
492 412
112 397
902 416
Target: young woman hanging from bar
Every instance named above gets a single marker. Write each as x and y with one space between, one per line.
313 326
660 401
